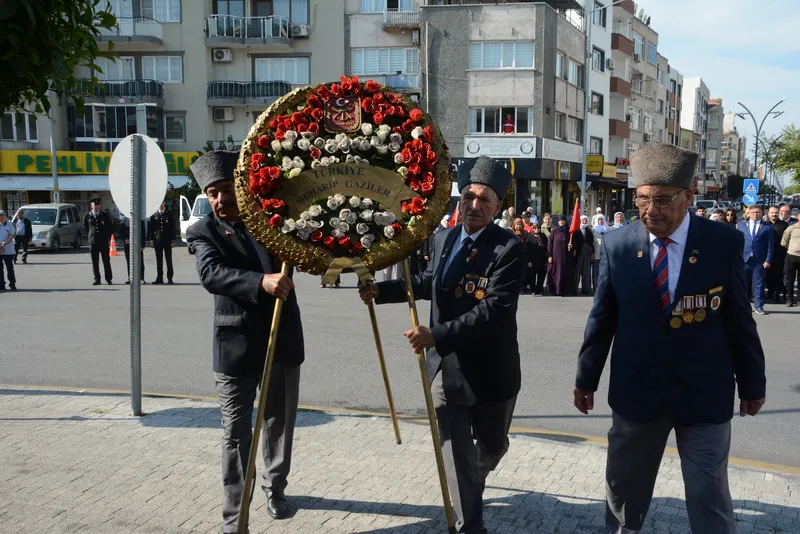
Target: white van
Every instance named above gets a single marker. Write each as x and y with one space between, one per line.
190 215
54 225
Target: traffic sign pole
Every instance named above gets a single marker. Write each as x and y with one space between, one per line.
137 180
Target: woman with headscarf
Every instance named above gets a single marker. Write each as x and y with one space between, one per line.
583 271
600 229
561 259
536 246
619 220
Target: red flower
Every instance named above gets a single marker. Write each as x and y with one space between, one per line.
299 118
276 220
417 157
368 105
314 102
323 92
427 132
378 98
414 184
344 242
399 227
417 144
408 126
427 188
393 98
314 127
280 135
400 112
263 141
427 178
354 80
316 236
415 114
274 172
265 204
357 247
414 169
390 110
414 207
302 128
336 89
315 152
397 129
431 156
372 86
263 174
254 166
273 123
287 124
316 114
406 155
329 241
347 86
257 158
378 118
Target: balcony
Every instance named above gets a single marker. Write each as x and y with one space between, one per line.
620 87
144 32
112 91
404 83
622 43
245 93
618 128
394 19
248 31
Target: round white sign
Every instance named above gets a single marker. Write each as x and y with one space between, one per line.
155 175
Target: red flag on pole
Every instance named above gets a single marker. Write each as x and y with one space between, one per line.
575 225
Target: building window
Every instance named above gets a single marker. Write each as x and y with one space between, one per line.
379 6
229 7
175 125
598 59
166 69
637 85
376 61
115 69
638 44
20 127
632 147
561 126
113 123
505 120
636 118
162 10
649 123
560 65
292 70
652 53
595 145
597 103
672 86
501 55
661 106
599 16
575 74
575 129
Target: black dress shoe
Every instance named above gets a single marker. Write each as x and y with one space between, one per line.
96 283
109 283
127 282
12 287
277 506
170 282
158 281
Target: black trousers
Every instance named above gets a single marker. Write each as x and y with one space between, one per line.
21 243
535 278
775 278
128 260
163 251
98 251
7 260
792 273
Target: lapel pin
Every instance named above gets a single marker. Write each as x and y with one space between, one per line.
640 254
692 260
228 233
695 252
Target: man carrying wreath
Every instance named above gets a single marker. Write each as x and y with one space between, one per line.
473 280
245 281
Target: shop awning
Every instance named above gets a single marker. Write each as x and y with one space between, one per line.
89 182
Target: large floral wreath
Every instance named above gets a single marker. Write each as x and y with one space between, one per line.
325 126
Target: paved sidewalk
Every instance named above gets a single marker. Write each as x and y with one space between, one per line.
77 462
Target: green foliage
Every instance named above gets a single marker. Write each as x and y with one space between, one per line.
793 189
191 190
42 44
788 156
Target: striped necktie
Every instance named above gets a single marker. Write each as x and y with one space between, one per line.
661 273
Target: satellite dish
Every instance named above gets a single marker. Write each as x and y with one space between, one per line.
647 22
641 14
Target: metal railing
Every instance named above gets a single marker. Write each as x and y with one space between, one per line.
119 88
134 26
244 90
403 81
395 16
247 27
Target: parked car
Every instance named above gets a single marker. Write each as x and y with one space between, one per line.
707 204
188 216
54 225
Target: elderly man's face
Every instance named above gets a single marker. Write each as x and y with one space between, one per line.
785 213
222 197
478 206
664 208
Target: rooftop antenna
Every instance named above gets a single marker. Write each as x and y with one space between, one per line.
647 22
641 14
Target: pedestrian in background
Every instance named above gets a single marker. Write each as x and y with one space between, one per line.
7 253
547 225
125 237
730 217
758 253
791 242
536 248
162 238
785 213
583 271
619 220
600 229
561 260
776 288
97 224
24 231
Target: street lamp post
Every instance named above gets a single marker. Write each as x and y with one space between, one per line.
587 94
769 163
759 126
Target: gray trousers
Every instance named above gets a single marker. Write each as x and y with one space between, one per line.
236 398
634 456
468 462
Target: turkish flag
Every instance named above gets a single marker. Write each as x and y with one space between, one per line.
575 225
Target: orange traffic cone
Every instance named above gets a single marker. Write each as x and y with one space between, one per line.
113 249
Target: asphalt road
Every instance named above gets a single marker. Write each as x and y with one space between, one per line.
59 330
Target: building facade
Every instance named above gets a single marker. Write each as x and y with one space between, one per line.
694 117
713 182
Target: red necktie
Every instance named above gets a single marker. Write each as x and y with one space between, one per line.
661 273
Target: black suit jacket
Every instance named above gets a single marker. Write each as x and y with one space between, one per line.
161 228
242 311
687 372
99 228
476 339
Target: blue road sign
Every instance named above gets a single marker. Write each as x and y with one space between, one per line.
750 199
750 186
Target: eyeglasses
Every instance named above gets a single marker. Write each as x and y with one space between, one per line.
659 202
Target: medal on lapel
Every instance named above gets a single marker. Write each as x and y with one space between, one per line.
480 294
700 303
675 322
483 283
472 254
470 287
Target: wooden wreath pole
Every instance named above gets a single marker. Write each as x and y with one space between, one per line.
374 319
432 421
249 478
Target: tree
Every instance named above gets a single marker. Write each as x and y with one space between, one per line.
42 44
791 189
788 156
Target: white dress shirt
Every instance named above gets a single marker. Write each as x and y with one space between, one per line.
457 245
675 251
754 226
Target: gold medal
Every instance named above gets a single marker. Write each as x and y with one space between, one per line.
700 315
459 292
688 317
480 294
675 322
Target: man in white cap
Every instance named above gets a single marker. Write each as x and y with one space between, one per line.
598 213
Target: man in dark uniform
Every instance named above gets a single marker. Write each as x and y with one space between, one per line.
671 298
125 237
473 283
162 238
776 287
245 281
98 225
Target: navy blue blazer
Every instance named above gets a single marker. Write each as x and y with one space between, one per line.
662 364
762 247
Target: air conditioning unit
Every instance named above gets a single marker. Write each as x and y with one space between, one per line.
647 137
222 114
415 37
637 58
222 55
300 30
610 63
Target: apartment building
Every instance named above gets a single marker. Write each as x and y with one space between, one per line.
694 117
602 65
729 149
188 71
673 119
508 81
713 182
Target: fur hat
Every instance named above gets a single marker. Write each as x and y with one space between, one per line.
213 167
484 171
663 164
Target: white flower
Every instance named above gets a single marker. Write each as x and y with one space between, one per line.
319 142
366 203
304 144
390 216
315 210
314 225
288 226
366 240
362 228
337 233
388 231
340 137
366 128
344 147
344 214
402 171
276 146
352 218
396 138
316 163
305 216
307 135
365 161
398 158
395 147
334 159
331 147
298 163
367 215
384 218
354 202
365 145
303 234
287 145
379 219
416 133
350 159
339 198
290 135
375 141
382 149
383 131
294 172
358 159
344 227
301 223
335 222
332 203
286 163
